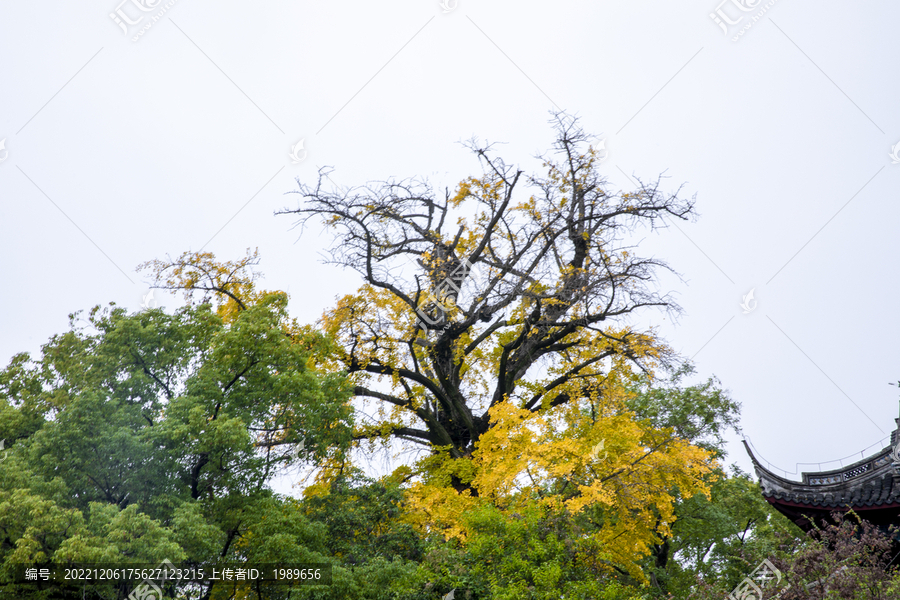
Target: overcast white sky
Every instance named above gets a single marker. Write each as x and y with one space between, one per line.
119 151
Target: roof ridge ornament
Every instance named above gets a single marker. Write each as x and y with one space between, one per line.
895 453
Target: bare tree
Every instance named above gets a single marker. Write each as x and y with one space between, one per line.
548 321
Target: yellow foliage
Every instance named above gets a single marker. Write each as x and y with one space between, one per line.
633 473
559 434
228 285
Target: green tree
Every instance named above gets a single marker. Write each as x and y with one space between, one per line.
138 437
364 520
716 536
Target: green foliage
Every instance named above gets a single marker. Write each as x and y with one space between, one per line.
135 438
536 554
701 413
723 537
362 518
150 436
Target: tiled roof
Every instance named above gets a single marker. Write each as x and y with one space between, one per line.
868 483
